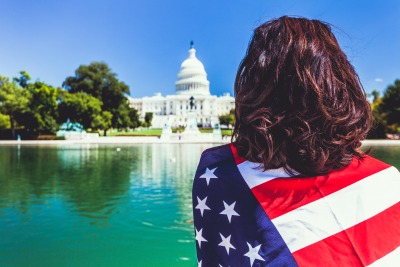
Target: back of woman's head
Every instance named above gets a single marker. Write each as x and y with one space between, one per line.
299 101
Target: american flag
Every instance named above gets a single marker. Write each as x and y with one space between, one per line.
244 216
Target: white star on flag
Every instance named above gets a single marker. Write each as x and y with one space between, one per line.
226 242
209 174
199 263
202 205
229 211
253 253
199 237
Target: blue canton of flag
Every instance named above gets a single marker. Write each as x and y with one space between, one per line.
231 228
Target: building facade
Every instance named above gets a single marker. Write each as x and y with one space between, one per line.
173 109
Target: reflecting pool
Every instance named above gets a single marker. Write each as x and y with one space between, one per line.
102 205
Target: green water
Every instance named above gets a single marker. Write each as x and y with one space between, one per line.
102 205
92 205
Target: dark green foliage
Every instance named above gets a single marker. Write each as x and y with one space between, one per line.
390 106
4 121
134 116
80 107
102 121
94 97
148 117
41 116
13 101
228 119
127 117
23 79
30 105
98 81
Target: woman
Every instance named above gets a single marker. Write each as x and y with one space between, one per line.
294 189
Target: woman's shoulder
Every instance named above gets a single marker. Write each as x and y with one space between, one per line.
218 150
216 155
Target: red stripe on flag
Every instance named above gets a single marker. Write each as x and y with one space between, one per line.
359 245
281 195
238 159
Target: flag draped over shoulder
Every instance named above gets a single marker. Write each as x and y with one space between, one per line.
244 216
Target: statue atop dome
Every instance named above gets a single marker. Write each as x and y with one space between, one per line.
192 77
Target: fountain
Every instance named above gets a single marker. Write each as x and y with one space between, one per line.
74 131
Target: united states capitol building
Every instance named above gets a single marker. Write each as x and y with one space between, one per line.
192 95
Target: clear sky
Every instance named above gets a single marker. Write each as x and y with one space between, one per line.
145 42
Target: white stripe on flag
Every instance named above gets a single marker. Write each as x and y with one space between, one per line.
338 211
254 175
389 260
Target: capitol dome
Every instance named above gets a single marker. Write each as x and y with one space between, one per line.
192 77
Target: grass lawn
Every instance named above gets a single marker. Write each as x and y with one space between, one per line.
226 132
157 132
149 132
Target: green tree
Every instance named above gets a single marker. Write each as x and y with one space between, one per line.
228 119
41 114
82 108
4 122
102 121
378 129
23 79
134 116
148 117
375 94
99 81
13 101
127 117
389 107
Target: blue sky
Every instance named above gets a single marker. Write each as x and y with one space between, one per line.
144 42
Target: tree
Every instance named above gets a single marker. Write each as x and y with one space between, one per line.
98 81
148 117
228 119
82 108
134 116
41 113
127 117
378 129
375 94
4 121
389 107
23 79
13 101
102 121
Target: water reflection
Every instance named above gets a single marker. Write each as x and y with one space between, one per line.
88 177
127 201
164 177
97 179
101 203
93 178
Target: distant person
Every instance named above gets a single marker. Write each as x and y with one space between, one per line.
294 189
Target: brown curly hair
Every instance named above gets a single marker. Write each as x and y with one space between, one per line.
299 102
